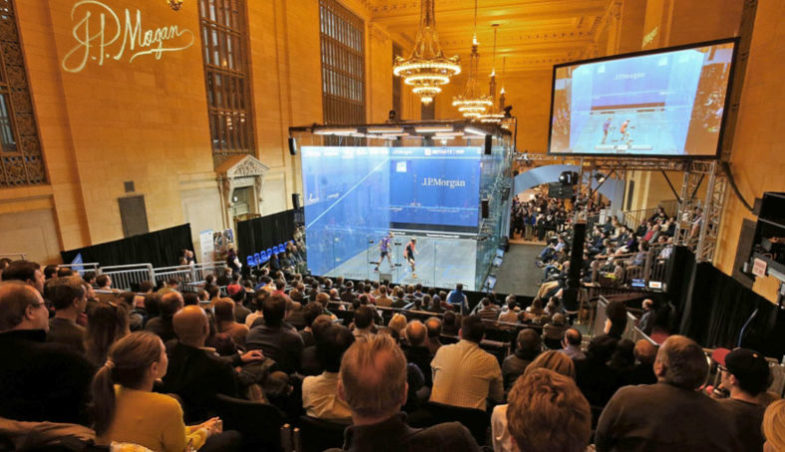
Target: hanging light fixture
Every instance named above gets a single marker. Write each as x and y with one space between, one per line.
494 117
427 69
175 4
471 103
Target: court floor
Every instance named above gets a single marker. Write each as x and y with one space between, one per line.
439 262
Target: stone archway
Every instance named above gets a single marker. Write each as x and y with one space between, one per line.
240 171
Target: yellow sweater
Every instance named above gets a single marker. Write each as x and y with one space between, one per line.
152 420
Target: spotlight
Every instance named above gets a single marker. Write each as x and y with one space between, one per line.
568 178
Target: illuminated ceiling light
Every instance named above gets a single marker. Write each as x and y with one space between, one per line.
474 131
433 129
471 103
175 4
495 117
336 131
427 68
385 130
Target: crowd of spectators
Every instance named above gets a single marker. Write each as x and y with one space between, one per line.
149 368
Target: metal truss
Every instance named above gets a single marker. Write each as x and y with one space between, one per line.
698 218
619 164
698 221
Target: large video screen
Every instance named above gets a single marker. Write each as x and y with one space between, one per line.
665 103
353 196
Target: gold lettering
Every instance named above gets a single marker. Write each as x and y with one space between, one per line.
92 42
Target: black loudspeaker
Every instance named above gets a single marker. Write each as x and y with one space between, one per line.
485 208
292 146
296 200
488 144
576 263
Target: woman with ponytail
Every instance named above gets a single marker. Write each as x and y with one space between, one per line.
126 410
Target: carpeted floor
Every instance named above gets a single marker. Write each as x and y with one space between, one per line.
518 273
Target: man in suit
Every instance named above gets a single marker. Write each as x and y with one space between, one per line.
197 374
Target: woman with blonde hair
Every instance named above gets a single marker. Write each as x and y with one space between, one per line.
126 409
553 360
774 427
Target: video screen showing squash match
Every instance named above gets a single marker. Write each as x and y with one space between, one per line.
665 103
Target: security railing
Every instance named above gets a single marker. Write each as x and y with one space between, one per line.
128 277
14 256
83 267
631 331
181 273
200 271
633 218
644 270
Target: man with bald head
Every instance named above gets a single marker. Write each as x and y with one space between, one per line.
671 414
417 352
372 381
196 373
571 344
39 381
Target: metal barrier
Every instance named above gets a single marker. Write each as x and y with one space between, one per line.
127 276
83 267
633 218
14 256
641 271
200 271
182 273
631 331
124 277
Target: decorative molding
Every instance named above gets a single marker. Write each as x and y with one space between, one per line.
236 172
24 165
248 167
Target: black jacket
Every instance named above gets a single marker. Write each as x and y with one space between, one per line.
197 376
394 435
40 381
421 357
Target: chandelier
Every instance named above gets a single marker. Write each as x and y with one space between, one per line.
175 4
471 103
490 117
427 69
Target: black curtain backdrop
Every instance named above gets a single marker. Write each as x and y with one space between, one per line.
717 307
258 234
160 248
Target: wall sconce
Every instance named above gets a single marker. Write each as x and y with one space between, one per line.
175 4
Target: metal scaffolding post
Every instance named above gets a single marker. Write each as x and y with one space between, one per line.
688 202
698 229
712 214
698 218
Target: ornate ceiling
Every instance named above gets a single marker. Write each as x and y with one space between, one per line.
533 34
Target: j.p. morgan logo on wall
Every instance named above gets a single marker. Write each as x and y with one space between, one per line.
102 36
